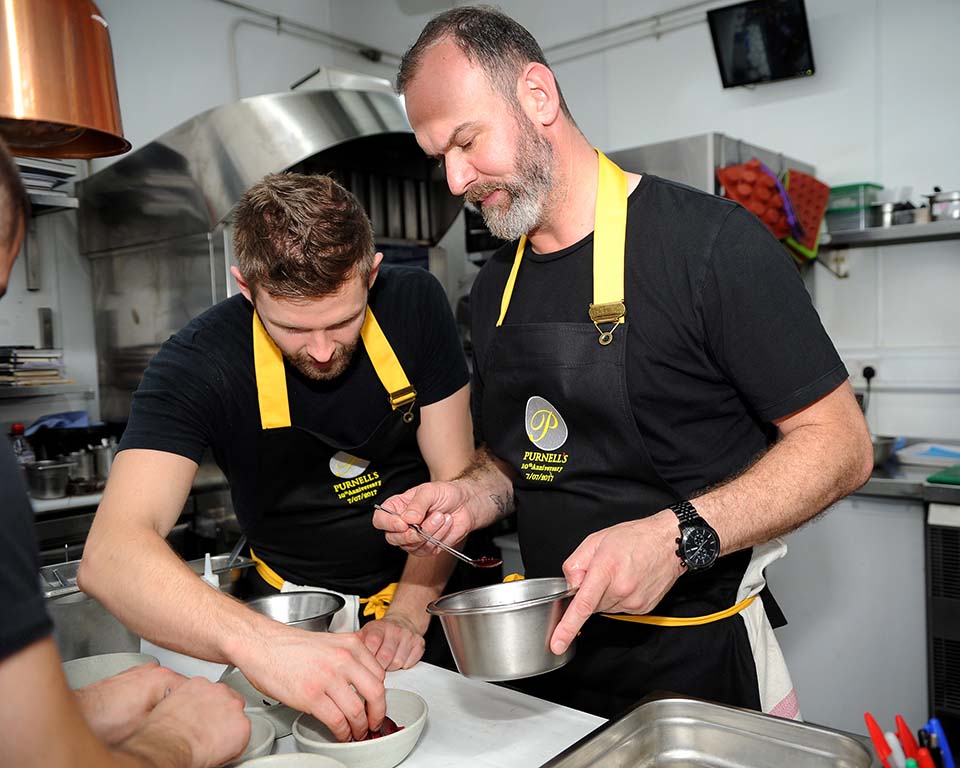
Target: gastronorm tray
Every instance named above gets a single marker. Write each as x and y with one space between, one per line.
682 733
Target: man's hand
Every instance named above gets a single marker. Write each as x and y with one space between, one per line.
332 676
442 509
626 568
394 641
200 724
116 706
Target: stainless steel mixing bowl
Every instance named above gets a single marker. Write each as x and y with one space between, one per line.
502 632
312 611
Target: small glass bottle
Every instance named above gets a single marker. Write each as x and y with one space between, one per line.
21 446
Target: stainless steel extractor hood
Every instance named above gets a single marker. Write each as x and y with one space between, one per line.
156 224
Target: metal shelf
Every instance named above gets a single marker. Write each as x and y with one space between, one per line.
46 203
45 390
902 234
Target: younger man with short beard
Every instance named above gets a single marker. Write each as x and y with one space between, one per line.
330 383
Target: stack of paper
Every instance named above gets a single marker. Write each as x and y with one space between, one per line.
28 366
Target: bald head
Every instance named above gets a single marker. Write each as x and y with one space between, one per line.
489 39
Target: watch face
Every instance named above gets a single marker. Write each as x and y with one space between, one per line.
700 547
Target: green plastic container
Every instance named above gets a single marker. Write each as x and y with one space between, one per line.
861 195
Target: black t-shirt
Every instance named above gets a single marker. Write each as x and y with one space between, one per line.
722 336
200 390
25 618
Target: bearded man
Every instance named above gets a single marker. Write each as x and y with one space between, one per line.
330 382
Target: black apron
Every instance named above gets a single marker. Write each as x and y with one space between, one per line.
314 495
556 408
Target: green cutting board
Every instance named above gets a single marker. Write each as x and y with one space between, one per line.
949 475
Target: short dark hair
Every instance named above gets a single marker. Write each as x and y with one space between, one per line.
14 203
488 38
301 236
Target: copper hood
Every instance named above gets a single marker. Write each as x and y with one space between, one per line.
58 94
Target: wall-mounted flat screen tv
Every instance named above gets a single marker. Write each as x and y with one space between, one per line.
761 41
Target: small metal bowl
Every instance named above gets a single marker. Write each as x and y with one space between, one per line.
502 632
312 611
882 449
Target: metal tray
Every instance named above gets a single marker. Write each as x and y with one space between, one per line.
687 733
61 578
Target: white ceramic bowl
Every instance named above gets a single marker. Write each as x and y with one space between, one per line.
90 669
262 736
294 760
403 707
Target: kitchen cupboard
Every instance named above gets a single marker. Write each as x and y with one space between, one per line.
852 588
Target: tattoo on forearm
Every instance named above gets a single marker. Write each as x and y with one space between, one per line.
487 474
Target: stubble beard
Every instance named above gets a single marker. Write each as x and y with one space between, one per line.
340 362
528 191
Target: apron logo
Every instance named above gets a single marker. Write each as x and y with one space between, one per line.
545 426
345 465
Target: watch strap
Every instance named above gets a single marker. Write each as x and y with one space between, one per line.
685 512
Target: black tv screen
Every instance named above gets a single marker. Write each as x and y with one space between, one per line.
761 41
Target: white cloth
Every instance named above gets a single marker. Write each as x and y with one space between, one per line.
347 619
777 694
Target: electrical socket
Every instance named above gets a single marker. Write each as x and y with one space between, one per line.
856 367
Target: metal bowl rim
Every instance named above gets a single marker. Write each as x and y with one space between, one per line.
436 610
336 598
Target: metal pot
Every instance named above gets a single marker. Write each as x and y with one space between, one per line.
882 449
103 458
48 479
944 205
81 625
83 468
502 632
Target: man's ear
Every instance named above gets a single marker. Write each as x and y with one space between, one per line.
538 94
374 271
242 284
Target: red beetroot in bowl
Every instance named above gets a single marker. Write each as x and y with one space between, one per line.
387 728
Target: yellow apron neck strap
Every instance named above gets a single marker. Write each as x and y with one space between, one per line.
609 242
272 378
387 366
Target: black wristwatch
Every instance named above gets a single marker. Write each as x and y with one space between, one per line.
698 545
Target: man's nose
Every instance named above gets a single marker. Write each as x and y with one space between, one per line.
460 173
321 347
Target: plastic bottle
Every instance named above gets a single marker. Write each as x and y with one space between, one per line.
208 575
21 447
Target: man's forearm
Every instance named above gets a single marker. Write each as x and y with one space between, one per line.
422 581
799 477
136 575
488 482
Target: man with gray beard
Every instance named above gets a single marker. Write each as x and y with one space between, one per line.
637 388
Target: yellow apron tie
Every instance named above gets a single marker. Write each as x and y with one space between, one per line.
609 243
272 379
266 572
689 621
376 605
666 621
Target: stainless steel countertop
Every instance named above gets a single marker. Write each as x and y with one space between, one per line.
908 481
